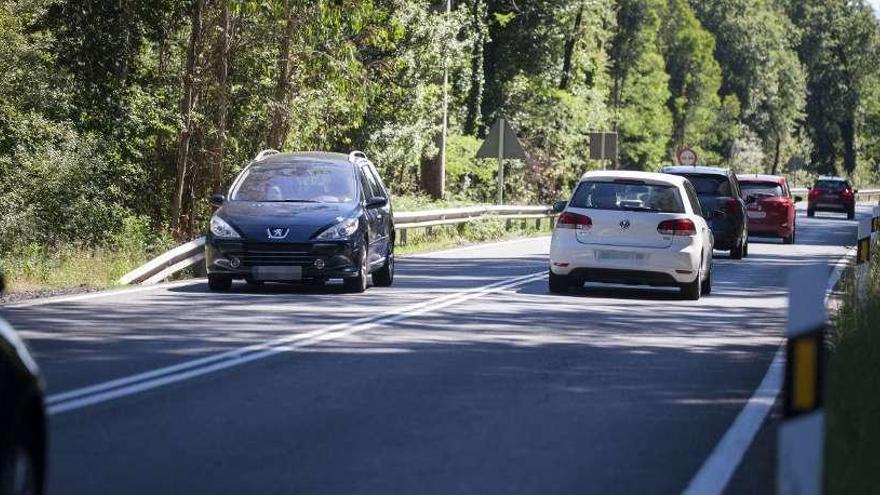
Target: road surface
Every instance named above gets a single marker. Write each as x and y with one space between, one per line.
466 377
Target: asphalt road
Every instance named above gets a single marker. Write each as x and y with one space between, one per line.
465 377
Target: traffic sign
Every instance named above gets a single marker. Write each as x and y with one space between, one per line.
686 156
603 146
501 143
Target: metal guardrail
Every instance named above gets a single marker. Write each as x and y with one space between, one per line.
193 252
863 196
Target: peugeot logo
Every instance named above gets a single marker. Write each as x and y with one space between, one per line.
624 224
278 232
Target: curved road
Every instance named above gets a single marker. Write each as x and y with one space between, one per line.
465 377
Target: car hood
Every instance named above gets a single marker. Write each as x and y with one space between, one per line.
303 219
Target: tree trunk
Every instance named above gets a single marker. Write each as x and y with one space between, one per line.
279 123
224 48
473 115
777 154
848 134
187 105
568 52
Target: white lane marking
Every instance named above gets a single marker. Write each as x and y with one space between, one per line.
97 295
126 386
170 285
719 467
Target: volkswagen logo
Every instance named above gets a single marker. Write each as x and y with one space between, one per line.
624 224
278 232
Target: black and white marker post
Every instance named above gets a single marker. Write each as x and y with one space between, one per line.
863 257
801 434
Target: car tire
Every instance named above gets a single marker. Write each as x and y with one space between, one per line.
738 251
850 214
358 283
219 283
251 281
746 247
20 473
692 291
384 276
811 213
789 239
559 284
706 288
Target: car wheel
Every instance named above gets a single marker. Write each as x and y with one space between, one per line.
811 213
745 247
18 475
219 283
559 284
789 239
384 277
251 281
706 288
737 252
851 214
691 291
358 283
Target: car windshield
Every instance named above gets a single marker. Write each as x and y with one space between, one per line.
626 195
830 185
298 182
709 185
766 189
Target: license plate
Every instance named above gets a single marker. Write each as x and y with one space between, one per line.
620 256
757 214
278 273
830 197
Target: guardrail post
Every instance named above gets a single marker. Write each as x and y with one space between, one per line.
538 224
801 434
403 237
863 258
875 224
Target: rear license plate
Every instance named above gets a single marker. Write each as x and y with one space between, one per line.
757 214
279 273
619 256
826 205
830 197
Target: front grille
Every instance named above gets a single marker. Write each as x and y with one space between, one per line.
267 254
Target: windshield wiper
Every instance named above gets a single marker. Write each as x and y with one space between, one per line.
291 201
638 208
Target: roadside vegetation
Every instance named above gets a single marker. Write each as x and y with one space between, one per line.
853 390
115 114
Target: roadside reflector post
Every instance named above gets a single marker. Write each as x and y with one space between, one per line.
801 434
863 257
875 224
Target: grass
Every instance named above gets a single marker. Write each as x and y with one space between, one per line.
852 445
421 203
483 230
43 270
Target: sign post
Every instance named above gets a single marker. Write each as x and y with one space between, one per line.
501 143
801 434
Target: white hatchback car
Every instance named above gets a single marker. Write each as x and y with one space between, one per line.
635 228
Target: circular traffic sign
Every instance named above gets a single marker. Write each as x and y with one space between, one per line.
686 156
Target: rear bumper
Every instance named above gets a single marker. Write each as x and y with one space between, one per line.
678 264
831 206
770 230
318 260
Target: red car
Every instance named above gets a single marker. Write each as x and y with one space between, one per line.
832 194
769 206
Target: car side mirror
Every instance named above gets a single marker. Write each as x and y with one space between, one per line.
809 188
559 206
750 198
217 200
798 199
717 214
377 202
855 191
2 284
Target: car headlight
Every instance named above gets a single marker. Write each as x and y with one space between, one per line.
220 228
342 230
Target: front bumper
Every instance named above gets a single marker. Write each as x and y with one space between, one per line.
318 260
677 264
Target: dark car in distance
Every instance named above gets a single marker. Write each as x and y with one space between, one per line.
769 206
22 417
303 217
832 194
724 209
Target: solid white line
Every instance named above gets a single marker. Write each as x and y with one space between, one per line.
122 387
719 467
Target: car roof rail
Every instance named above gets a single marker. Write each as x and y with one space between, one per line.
263 154
357 155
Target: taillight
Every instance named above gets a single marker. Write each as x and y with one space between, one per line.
569 220
814 192
679 226
731 205
846 193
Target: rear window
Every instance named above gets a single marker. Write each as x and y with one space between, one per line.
831 185
627 196
766 189
710 185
